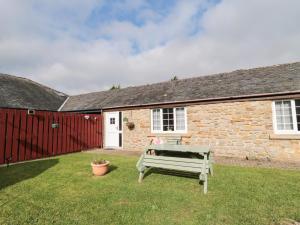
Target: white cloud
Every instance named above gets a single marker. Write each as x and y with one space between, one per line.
50 43
178 24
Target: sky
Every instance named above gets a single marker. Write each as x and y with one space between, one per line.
80 46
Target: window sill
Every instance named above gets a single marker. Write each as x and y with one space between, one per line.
284 137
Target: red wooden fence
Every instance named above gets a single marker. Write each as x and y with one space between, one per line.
26 137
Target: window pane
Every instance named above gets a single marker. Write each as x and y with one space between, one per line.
169 110
168 128
279 111
287 104
280 126
180 119
168 119
288 126
112 120
156 119
287 111
287 119
279 119
278 107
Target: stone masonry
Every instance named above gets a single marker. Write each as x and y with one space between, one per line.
234 129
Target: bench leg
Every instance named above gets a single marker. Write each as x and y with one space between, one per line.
203 177
211 170
205 184
141 176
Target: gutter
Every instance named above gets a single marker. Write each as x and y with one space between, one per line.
60 108
86 110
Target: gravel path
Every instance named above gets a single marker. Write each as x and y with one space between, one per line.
218 160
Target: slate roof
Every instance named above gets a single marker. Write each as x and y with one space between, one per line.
17 92
284 78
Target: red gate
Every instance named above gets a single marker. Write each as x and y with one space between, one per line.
26 136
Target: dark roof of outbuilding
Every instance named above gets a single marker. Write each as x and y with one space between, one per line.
284 78
17 92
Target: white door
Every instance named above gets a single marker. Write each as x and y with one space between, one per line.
113 131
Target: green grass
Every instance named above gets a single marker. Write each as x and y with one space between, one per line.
62 191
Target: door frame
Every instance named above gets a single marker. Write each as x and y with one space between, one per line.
120 131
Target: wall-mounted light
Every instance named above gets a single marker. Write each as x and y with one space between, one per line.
86 117
30 112
55 125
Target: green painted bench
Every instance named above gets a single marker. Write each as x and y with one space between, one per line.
195 159
173 140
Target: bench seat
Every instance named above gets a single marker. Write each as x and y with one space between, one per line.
175 163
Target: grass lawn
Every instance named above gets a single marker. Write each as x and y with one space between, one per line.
62 190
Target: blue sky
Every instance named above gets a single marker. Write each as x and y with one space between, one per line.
113 10
81 46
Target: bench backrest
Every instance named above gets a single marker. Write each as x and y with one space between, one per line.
174 140
179 148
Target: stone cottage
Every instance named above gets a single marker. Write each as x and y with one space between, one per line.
252 113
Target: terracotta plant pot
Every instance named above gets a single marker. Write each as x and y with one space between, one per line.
100 169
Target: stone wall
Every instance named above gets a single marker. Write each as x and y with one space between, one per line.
139 137
235 129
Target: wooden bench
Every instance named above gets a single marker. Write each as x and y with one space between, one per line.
173 140
195 159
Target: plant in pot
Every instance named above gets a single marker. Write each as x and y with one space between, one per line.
100 167
130 125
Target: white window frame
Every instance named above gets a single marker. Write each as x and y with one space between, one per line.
294 118
161 131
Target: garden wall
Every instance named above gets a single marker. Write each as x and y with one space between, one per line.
43 134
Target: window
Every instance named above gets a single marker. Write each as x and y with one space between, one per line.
286 114
169 120
112 121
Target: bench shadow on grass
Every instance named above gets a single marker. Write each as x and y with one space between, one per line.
20 172
171 172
